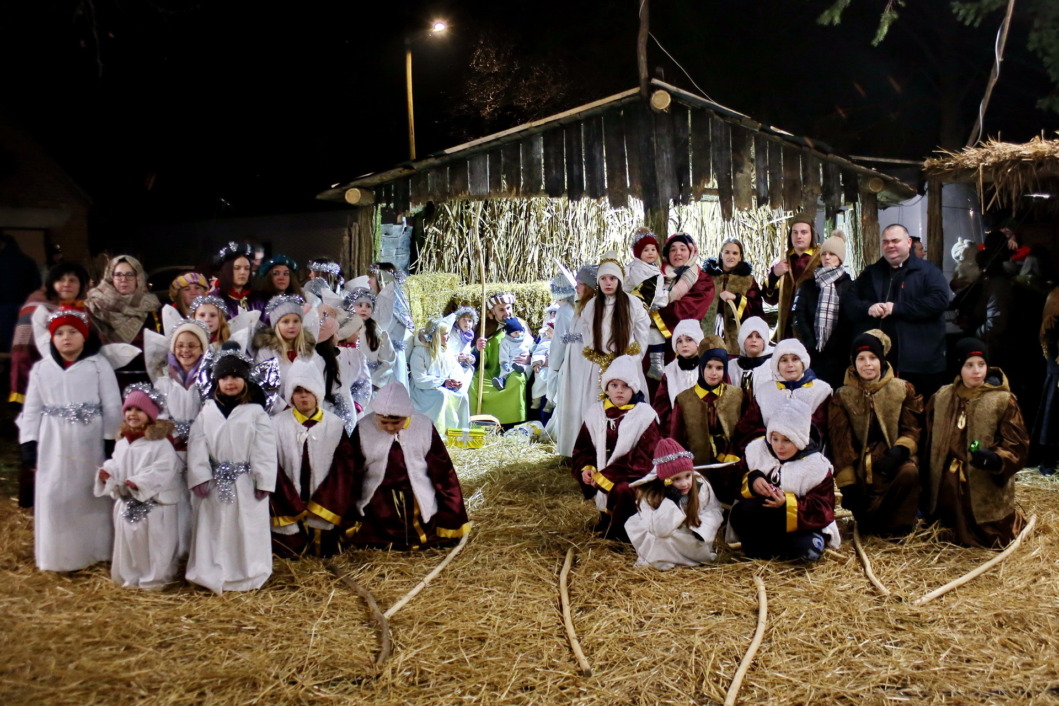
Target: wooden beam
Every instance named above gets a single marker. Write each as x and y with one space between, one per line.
458 179
775 175
742 168
810 184
402 195
792 179
640 151
554 163
420 190
935 233
665 173
532 165
595 186
832 190
359 196
682 151
478 176
761 170
641 47
869 223
511 168
721 149
701 170
575 162
614 146
496 174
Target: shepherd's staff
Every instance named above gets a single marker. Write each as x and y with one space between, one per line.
429 577
485 312
568 621
974 573
381 624
883 590
759 634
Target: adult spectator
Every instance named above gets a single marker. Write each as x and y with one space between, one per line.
789 272
917 248
508 405
18 278
816 313
906 298
184 289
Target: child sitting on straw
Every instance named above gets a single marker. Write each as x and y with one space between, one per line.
874 423
754 351
787 508
705 417
435 382
515 346
645 280
144 479
405 493
614 446
315 456
678 515
977 442
232 471
681 372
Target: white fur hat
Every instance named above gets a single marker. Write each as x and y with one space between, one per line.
687 327
610 265
283 304
754 323
624 368
361 282
392 401
793 420
305 375
785 347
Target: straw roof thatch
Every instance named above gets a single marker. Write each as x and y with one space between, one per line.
1003 171
489 629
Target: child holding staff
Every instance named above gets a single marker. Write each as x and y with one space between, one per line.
143 477
678 515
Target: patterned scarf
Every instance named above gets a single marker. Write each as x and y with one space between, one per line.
827 306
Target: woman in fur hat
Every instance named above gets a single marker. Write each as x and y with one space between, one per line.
816 312
738 296
976 442
614 446
874 427
688 288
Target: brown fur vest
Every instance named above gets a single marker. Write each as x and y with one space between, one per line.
729 407
736 284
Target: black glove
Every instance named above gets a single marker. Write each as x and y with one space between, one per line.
986 459
108 448
673 494
899 453
890 461
852 498
28 452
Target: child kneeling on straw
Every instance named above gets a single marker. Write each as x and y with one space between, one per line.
678 514
787 505
614 446
144 478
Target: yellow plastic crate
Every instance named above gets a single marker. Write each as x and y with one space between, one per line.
473 438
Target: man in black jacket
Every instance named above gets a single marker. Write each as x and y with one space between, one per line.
905 297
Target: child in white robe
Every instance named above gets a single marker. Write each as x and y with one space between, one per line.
539 361
143 477
677 513
437 390
232 471
72 409
513 346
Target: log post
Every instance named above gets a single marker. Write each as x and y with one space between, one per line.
641 48
935 232
870 244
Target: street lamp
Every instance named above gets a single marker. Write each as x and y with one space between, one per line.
438 27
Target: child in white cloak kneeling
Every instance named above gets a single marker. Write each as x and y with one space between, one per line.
678 514
144 478
787 504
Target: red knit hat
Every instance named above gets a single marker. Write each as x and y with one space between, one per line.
69 316
641 239
671 459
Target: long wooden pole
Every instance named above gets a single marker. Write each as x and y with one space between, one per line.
641 48
408 88
429 577
1002 39
568 620
974 573
759 634
485 301
883 590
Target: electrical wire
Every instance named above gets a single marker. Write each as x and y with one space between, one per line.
671 58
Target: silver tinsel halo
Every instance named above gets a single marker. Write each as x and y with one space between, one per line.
400 275
233 250
146 388
464 311
673 457
194 322
358 294
560 287
208 299
283 304
63 313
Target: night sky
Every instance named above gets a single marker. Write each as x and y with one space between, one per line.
175 110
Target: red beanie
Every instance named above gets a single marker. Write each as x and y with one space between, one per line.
69 316
641 239
671 459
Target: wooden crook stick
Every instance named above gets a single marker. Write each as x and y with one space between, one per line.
564 599
428 578
759 634
883 590
974 573
381 624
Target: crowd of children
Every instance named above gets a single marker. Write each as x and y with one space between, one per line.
295 419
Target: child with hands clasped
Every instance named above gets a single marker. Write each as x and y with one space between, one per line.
977 442
143 477
614 446
232 470
787 504
678 514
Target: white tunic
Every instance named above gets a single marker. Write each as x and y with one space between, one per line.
291 438
569 413
464 371
380 361
444 407
400 336
231 547
146 552
72 527
663 541
564 319
641 323
678 380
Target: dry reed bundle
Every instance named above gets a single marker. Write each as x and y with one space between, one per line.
488 629
1004 171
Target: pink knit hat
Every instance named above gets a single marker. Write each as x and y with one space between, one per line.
145 398
671 459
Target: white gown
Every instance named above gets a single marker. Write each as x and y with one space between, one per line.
444 407
400 335
182 406
146 552
663 541
231 546
569 414
564 319
641 324
353 384
72 527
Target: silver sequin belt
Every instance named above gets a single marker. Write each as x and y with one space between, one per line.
573 338
225 474
82 413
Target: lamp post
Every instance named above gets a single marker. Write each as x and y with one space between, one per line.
437 27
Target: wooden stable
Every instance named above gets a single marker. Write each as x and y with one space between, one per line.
674 148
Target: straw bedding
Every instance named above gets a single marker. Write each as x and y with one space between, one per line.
489 628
